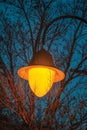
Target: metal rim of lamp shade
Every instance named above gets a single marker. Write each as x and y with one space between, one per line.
42 59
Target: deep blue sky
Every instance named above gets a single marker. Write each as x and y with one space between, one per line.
14 18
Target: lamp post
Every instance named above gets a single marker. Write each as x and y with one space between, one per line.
41 73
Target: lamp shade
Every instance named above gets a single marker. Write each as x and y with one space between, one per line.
41 73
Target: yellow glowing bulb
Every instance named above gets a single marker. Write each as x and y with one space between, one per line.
40 80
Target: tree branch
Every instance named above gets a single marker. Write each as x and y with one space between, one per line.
57 19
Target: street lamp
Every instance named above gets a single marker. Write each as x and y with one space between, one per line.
41 73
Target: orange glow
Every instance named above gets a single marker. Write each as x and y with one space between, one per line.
40 78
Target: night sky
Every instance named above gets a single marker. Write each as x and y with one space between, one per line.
22 28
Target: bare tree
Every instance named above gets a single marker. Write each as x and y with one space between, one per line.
61 28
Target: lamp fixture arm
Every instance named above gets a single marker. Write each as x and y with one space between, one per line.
59 18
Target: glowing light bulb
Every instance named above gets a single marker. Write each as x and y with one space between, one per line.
40 80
